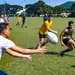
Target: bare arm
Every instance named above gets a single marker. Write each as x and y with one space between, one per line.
16 54
23 53
61 39
52 31
27 51
61 36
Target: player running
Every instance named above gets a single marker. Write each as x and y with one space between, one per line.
44 30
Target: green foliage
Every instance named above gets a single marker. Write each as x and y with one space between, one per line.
58 10
38 8
72 9
50 63
35 9
10 9
72 14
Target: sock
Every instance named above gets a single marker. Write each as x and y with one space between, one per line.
43 44
67 50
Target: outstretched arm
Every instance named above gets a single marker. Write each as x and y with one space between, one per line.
27 51
17 54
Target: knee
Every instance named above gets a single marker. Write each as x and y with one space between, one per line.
72 48
41 42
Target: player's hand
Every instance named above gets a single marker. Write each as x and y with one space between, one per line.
42 50
56 32
28 57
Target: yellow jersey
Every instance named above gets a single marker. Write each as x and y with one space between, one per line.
44 28
19 19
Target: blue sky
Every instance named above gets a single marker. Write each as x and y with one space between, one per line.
24 2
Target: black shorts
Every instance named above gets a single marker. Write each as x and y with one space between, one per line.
42 36
23 21
66 40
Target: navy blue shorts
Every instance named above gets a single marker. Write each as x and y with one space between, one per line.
42 36
23 20
66 40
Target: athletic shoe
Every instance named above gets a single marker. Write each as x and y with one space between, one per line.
62 53
42 47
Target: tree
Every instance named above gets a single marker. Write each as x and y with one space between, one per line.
9 8
47 9
38 8
57 10
72 8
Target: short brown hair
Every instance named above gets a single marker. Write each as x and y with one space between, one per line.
70 22
3 26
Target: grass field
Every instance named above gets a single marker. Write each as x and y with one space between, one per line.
50 63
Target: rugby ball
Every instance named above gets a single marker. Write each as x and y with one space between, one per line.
51 37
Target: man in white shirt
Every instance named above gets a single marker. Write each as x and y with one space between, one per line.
10 47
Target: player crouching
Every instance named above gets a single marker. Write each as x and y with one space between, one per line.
67 38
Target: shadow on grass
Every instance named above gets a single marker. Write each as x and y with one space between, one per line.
53 53
69 55
58 54
73 66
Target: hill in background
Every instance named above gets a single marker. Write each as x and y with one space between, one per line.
67 4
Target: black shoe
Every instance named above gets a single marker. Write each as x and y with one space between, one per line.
62 53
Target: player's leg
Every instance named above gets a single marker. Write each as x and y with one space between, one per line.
70 45
18 22
40 43
41 39
22 23
25 23
43 44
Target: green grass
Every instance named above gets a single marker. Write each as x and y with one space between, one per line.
50 63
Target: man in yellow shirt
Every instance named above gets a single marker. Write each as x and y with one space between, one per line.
46 27
18 20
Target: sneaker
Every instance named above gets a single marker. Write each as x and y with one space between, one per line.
62 53
43 47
